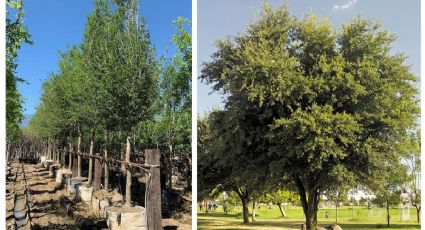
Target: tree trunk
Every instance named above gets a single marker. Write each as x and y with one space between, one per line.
48 150
253 210
79 152
7 151
388 213
70 154
128 184
170 172
245 211
244 196
91 159
336 212
281 210
418 213
106 156
310 205
53 151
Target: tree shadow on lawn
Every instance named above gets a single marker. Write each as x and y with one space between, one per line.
237 223
234 221
380 226
220 215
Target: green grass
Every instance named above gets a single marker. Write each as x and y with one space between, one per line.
348 218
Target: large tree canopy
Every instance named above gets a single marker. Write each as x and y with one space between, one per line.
330 105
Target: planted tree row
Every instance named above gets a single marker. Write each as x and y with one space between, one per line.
112 90
309 108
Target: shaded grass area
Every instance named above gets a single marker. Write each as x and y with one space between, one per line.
348 218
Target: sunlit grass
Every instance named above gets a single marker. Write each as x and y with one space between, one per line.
348 218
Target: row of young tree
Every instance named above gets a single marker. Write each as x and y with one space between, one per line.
16 35
113 89
308 109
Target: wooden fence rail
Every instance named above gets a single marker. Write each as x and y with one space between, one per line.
151 167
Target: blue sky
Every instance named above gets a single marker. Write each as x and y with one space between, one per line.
56 25
218 19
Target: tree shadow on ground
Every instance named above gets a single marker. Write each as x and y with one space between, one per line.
37 183
234 215
56 227
214 221
380 226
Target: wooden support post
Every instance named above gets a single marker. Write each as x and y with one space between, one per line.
97 173
79 151
153 204
128 184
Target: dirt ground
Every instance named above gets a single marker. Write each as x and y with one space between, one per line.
51 208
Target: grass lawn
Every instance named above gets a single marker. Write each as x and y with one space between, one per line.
348 218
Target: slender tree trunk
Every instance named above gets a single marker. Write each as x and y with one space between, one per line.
170 172
70 154
63 156
49 155
281 210
53 150
253 209
91 159
79 152
106 156
418 213
336 212
7 152
388 212
128 184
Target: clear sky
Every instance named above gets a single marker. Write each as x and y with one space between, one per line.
58 24
218 19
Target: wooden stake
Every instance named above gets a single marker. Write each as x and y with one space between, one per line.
97 173
153 209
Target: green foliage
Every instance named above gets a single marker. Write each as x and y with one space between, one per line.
319 106
175 101
16 35
280 196
111 81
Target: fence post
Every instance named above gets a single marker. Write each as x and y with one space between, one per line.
153 204
97 173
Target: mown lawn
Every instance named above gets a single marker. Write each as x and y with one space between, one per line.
348 218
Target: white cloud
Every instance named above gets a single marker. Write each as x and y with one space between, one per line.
345 6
